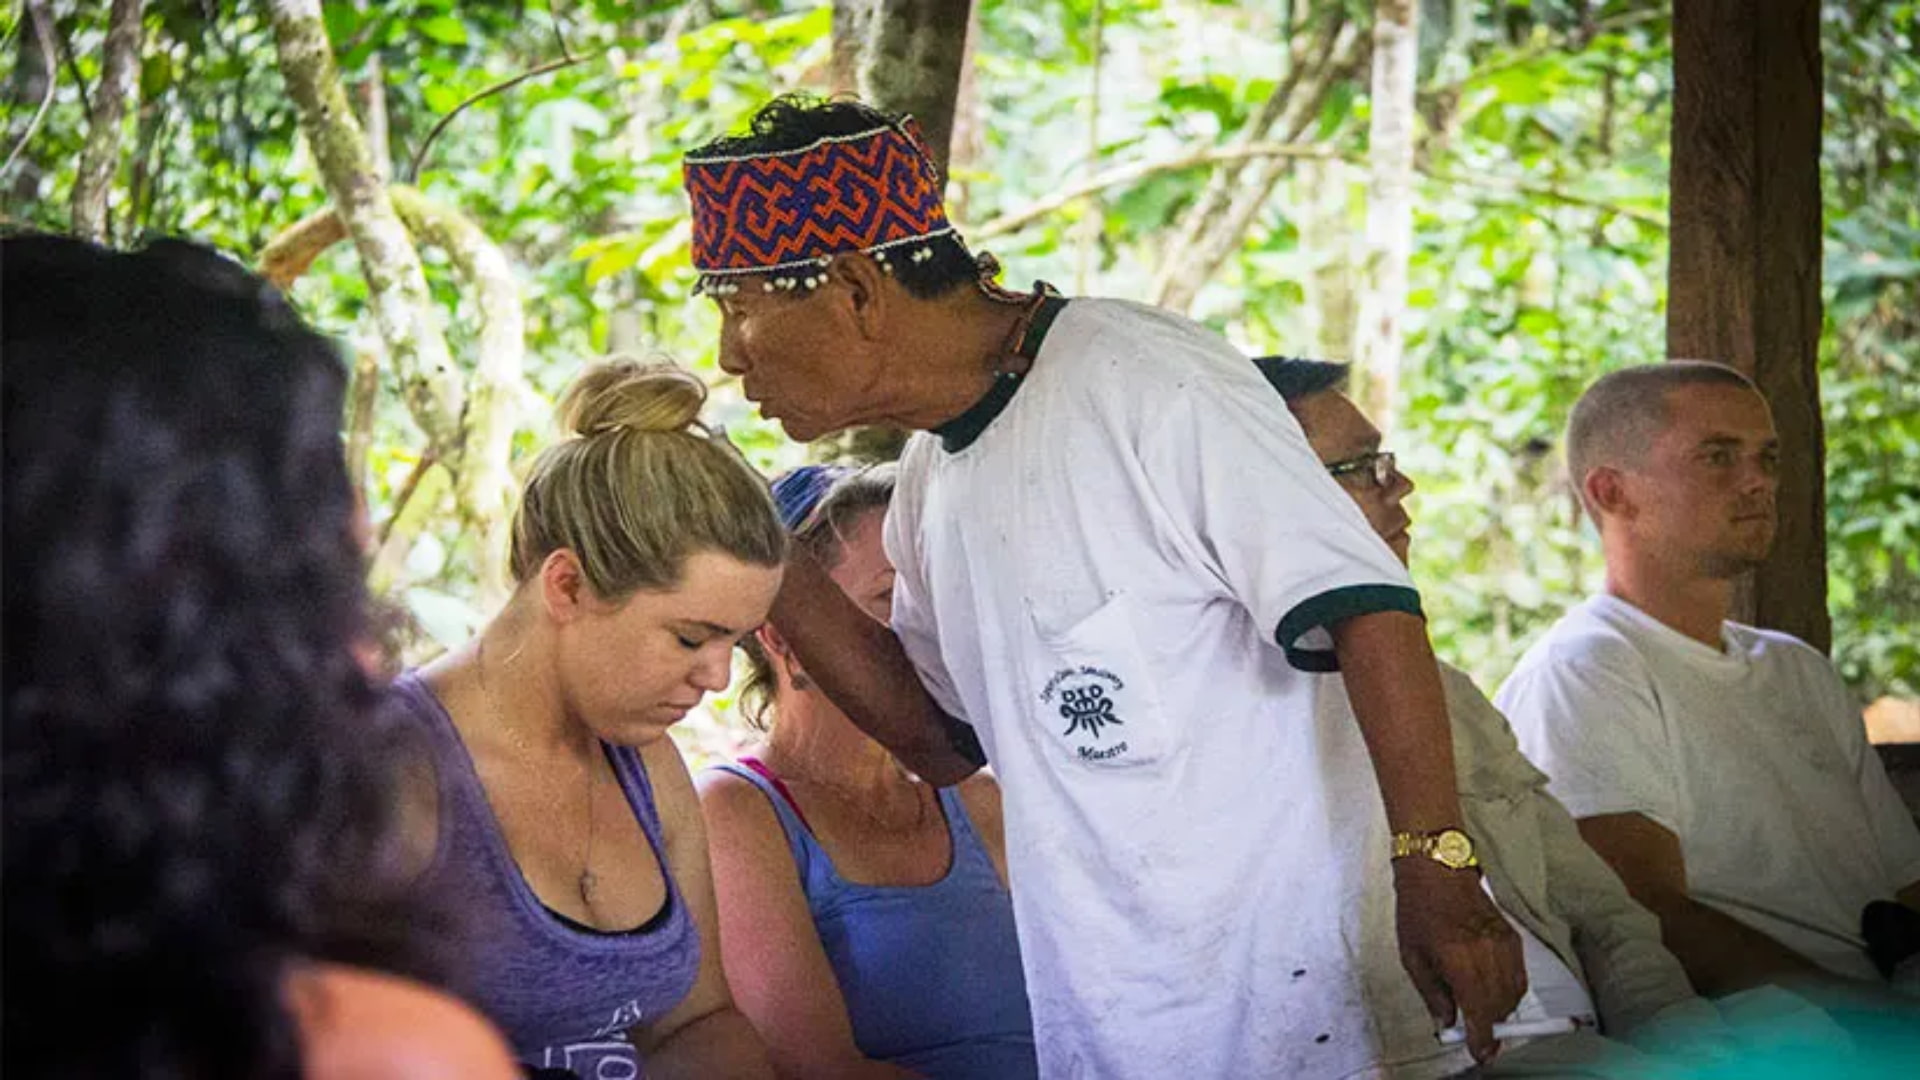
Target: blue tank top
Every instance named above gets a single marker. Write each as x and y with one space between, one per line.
931 974
564 994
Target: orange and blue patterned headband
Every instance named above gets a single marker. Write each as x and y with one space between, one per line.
787 214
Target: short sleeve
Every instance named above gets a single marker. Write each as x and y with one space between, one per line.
912 616
1588 717
1887 814
1234 474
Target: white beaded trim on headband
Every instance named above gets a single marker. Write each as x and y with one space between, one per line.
715 283
814 145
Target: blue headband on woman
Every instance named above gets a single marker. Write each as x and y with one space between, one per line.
798 491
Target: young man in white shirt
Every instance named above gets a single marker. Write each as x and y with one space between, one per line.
1721 769
1592 952
1118 563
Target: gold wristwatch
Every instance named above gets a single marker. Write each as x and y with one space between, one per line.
1450 848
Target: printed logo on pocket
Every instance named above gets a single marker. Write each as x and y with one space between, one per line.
1088 700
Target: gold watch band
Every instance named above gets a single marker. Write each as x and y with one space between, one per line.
1450 848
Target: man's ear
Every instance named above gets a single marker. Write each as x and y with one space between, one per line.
868 292
773 641
780 656
563 586
1605 488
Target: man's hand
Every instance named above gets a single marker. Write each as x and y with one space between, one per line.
1458 949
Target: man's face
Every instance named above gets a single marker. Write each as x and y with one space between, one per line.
1704 490
1339 434
796 358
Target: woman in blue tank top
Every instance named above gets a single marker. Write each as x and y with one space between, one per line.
865 921
566 824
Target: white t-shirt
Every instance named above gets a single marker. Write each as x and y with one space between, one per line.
1753 756
1097 584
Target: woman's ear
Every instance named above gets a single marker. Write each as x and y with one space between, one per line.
563 586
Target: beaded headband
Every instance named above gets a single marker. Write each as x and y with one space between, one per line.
794 210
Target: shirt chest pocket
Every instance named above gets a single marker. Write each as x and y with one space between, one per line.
1096 703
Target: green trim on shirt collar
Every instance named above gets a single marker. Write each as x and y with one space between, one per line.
1337 606
960 432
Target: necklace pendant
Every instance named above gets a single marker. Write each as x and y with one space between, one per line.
587 884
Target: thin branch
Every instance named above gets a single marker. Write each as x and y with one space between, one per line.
43 29
288 255
1133 172
1136 171
548 68
73 69
1092 225
1546 193
429 457
553 14
1548 47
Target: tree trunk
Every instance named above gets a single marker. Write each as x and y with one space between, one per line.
1214 229
483 478
1743 279
480 457
1380 331
1327 236
969 131
403 308
373 109
100 158
905 56
32 78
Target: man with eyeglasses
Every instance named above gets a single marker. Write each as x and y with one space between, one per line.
1594 957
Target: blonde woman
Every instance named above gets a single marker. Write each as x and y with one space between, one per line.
644 549
864 913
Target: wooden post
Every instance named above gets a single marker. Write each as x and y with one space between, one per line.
1744 274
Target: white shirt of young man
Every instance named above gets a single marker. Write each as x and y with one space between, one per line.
1753 755
1097 584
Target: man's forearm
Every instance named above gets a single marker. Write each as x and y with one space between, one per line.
1394 685
862 668
1723 955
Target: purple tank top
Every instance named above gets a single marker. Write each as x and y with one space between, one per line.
564 995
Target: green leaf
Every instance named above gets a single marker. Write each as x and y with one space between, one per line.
156 76
440 97
444 28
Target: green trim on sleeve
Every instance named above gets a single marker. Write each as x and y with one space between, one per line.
1337 606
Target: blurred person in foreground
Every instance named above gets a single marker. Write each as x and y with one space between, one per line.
203 869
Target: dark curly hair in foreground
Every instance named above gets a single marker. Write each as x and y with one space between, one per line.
197 792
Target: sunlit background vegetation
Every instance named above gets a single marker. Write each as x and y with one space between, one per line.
1540 229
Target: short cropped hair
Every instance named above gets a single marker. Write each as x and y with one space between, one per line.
1623 412
793 121
1296 379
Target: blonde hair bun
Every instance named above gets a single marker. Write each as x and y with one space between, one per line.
624 394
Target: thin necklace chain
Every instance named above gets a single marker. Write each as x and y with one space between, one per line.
587 882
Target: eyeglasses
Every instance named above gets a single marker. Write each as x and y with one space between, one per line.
1377 466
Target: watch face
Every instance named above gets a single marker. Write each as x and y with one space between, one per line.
1453 849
